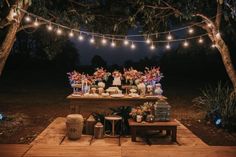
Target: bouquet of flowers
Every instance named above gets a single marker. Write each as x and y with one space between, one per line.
74 77
153 75
101 74
142 110
131 75
116 74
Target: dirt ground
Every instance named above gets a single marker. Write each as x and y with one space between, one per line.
30 108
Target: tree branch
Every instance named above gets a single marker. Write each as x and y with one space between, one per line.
29 26
177 11
218 16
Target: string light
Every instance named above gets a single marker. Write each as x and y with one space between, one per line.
104 41
152 47
92 41
200 40
126 39
113 44
27 18
59 31
168 46
71 34
148 41
133 46
218 35
190 31
49 27
213 46
36 23
14 14
169 37
81 37
126 42
186 44
209 25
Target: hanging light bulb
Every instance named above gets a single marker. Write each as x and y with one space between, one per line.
152 47
27 18
49 27
209 25
218 35
200 40
190 31
14 14
81 37
113 44
186 44
133 46
59 31
71 34
104 41
168 46
148 40
169 37
126 42
213 46
36 23
92 40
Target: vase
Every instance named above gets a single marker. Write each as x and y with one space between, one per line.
139 118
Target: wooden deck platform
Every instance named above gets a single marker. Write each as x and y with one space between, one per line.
53 143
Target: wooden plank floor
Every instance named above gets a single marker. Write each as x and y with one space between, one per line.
53 143
13 150
54 134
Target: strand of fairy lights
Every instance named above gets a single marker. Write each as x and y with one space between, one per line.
124 38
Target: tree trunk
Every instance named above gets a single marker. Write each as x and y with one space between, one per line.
8 42
225 55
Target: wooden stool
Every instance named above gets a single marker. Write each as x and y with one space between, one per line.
113 119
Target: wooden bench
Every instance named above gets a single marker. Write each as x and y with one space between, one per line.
170 127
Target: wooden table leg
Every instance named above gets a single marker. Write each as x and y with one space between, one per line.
168 132
133 134
174 132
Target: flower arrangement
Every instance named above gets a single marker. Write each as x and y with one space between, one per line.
142 110
153 75
116 74
131 75
74 77
101 74
78 78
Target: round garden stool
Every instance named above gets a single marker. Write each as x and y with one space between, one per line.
74 125
113 119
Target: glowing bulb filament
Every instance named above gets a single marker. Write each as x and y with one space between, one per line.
200 40
190 31
186 44
81 37
152 47
104 41
49 27
59 31
36 23
113 44
126 42
148 41
92 40
168 46
133 46
27 18
169 37
71 34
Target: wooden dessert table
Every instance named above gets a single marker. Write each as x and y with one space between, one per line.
78 102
